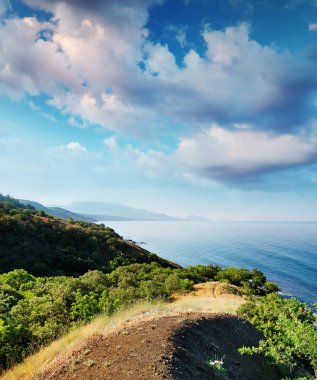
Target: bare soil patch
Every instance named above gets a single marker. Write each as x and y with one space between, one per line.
170 347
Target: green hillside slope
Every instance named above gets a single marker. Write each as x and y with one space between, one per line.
46 246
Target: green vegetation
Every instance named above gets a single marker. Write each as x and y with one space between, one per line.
253 282
58 274
47 246
217 366
289 334
37 310
8 203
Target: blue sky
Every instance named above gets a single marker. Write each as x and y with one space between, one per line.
177 106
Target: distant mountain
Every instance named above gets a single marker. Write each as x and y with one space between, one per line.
104 211
57 211
115 211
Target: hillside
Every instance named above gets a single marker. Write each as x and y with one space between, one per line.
45 246
78 270
115 348
177 340
56 211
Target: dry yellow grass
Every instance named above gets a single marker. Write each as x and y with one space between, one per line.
75 339
209 297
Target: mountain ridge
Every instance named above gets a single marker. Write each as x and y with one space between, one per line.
57 211
115 211
98 211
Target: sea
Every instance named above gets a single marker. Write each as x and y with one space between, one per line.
285 252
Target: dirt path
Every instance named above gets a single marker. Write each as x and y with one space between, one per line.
170 347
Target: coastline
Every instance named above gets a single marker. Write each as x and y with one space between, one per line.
285 252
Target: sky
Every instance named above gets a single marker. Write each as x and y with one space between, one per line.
205 107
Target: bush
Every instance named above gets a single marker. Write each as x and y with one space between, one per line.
14 343
13 212
85 307
16 278
174 283
108 305
234 276
201 273
290 338
252 281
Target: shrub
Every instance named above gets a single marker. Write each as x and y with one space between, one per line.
290 338
14 343
108 305
234 276
85 307
151 290
253 281
16 278
201 273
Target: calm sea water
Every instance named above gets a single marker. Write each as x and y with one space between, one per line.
285 252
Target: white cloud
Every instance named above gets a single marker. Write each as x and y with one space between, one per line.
222 154
71 149
86 56
239 80
88 65
31 65
89 68
75 122
111 144
312 26
49 117
179 34
152 163
161 62
4 7
72 157
46 115
76 147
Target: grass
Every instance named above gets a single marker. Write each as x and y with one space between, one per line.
71 346
78 340
209 297
217 366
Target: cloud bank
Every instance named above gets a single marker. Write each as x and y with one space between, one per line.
97 64
244 154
